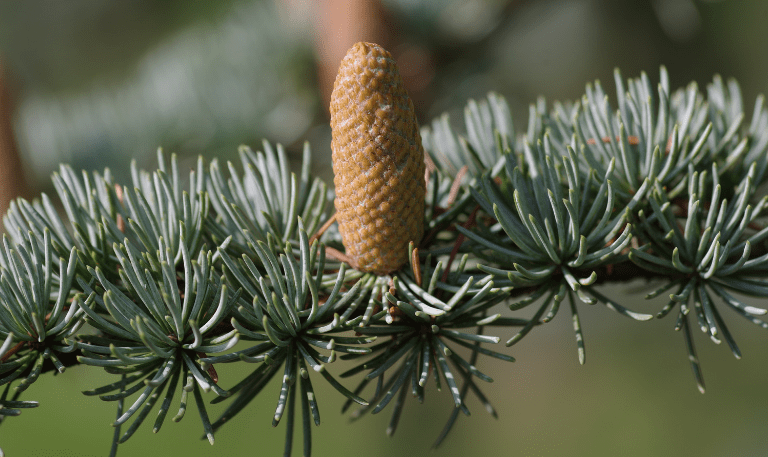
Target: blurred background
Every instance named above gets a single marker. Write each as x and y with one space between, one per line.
96 84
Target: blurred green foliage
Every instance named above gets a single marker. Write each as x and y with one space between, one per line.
101 82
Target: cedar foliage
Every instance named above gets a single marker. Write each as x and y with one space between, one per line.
177 275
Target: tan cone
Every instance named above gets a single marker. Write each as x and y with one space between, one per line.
378 161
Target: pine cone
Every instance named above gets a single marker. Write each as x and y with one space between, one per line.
378 161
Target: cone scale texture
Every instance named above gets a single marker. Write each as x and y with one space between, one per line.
378 161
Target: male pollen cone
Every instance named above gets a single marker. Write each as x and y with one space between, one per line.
378 161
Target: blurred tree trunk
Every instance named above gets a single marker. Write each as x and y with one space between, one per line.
12 183
339 25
